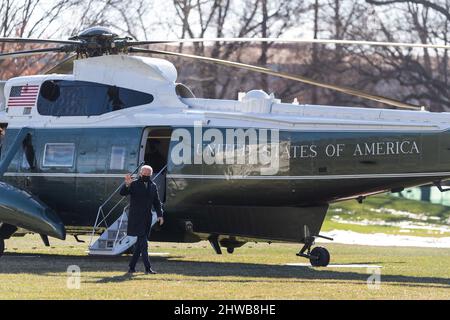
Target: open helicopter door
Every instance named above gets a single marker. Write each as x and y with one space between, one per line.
155 152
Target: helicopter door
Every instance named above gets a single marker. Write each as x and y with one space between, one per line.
155 152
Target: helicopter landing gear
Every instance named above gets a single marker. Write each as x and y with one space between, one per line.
2 246
318 257
214 241
230 243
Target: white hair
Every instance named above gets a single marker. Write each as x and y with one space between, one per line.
145 167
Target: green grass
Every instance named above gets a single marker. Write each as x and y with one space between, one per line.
256 271
343 215
29 270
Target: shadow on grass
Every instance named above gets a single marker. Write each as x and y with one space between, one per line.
198 271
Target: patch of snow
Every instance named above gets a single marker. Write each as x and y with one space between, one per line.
402 224
406 214
381 239
363 222
410 215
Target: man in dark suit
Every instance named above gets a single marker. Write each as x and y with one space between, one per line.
143 196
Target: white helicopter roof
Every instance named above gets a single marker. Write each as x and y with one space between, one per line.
144 74
158 76
125 70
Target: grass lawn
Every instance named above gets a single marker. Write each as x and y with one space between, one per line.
28 270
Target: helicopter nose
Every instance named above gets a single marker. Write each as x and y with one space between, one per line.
21 209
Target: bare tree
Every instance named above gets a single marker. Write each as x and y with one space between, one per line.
38 19
334 19
28 18
422 75
416 76
249 18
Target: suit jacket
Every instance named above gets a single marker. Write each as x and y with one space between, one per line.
142 200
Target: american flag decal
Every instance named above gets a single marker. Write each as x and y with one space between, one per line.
23 96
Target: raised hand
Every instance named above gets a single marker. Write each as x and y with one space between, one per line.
128 180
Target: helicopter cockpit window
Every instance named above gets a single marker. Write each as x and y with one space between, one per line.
82 98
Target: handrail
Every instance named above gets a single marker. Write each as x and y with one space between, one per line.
160 171
120 186
120 225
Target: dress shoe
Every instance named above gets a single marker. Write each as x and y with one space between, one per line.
150 271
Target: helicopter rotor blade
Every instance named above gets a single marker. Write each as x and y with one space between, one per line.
20 54
34 40
63 67
342 89
295 40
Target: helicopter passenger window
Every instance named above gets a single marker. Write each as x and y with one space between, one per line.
59 155
82 98
117 158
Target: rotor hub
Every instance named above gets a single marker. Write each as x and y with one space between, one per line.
96 31
97 41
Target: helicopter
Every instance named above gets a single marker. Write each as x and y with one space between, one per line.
228 171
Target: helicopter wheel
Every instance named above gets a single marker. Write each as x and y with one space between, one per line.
2 246
319 257
230 250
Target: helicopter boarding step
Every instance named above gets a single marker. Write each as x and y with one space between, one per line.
114 240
